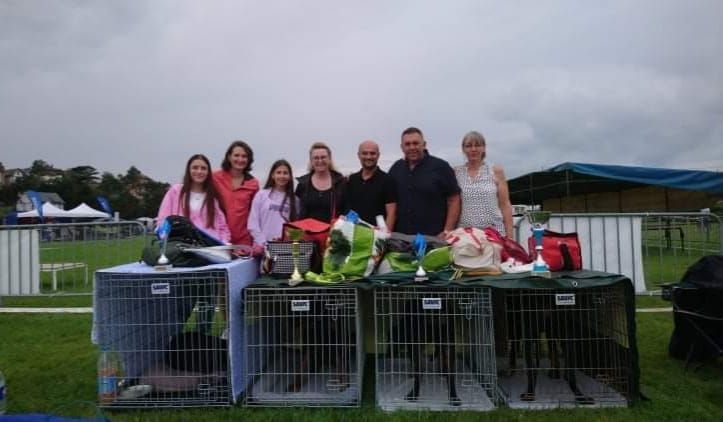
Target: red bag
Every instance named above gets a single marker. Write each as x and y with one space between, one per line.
510 248
561 251
314 230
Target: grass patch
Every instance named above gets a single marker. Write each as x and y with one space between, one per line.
49 364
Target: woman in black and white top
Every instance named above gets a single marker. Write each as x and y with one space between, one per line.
485 195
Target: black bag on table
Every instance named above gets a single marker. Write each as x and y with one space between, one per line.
184 234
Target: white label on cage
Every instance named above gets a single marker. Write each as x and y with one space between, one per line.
431 303
565 299
300 306
160 288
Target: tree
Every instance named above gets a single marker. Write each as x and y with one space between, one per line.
41 168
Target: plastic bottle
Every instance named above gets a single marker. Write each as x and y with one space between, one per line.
109 372
3 394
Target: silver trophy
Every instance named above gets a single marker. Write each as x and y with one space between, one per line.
163 231
295 236
537 219
420 248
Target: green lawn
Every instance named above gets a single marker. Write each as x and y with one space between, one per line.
49 364
95 254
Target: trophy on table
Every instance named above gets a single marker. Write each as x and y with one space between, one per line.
420 248
163 231
538 219
295 236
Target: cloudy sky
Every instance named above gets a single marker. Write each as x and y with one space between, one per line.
148 83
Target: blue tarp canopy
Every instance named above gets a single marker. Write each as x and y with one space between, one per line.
569 179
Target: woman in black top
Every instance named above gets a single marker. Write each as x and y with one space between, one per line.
321 191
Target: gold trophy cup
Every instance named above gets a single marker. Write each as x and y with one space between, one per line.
295 236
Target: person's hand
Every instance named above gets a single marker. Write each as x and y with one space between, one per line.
257 250
443 234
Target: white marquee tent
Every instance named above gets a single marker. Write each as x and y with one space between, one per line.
85 211
49 210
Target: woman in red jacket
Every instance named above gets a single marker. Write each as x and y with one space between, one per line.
236 188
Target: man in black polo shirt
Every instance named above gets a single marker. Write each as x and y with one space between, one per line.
428 193
370 191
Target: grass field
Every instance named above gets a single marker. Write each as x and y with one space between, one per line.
49 364
95 254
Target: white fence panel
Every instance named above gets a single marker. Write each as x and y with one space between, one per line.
19 262
610 243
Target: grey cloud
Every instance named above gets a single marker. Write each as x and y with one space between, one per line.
114 84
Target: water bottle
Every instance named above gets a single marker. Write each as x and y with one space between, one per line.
109 373
3 396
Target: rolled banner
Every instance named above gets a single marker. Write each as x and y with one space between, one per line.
37 203
105 205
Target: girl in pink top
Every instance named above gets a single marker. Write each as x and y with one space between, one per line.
196 199
273 206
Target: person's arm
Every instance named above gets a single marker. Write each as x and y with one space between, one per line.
503 198
453 209
301 195
390 202
220 224
454 199
391 211
255 217
167 205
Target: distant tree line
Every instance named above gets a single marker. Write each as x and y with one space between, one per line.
132 194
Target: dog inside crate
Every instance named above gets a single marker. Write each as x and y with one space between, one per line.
194 360
435 349
562 346
304 347
423 334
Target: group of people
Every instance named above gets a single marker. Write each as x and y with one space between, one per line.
420 193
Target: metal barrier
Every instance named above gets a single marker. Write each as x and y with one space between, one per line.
649 248
52 258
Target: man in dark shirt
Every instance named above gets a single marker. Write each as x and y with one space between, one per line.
428 193
370 191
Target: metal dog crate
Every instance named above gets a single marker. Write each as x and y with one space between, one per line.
563 347
303 347
435 348
166 329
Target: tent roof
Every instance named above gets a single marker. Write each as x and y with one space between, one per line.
85 211
49 210
569 179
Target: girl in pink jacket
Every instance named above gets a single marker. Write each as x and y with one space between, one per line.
196 199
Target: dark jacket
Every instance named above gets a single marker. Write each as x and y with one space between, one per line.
309 208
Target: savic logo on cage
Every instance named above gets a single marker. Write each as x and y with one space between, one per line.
431 303
160 288
565 299
300 306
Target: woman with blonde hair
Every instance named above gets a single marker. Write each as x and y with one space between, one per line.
485 195
321 191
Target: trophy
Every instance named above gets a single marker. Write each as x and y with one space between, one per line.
295 236
163 231
538 219
420 248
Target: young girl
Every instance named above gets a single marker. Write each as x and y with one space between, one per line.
196 199
274 205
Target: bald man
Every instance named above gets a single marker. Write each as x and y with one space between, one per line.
370 191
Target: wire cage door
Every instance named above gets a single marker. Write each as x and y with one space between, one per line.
435 348
303 347
563 348
163 335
